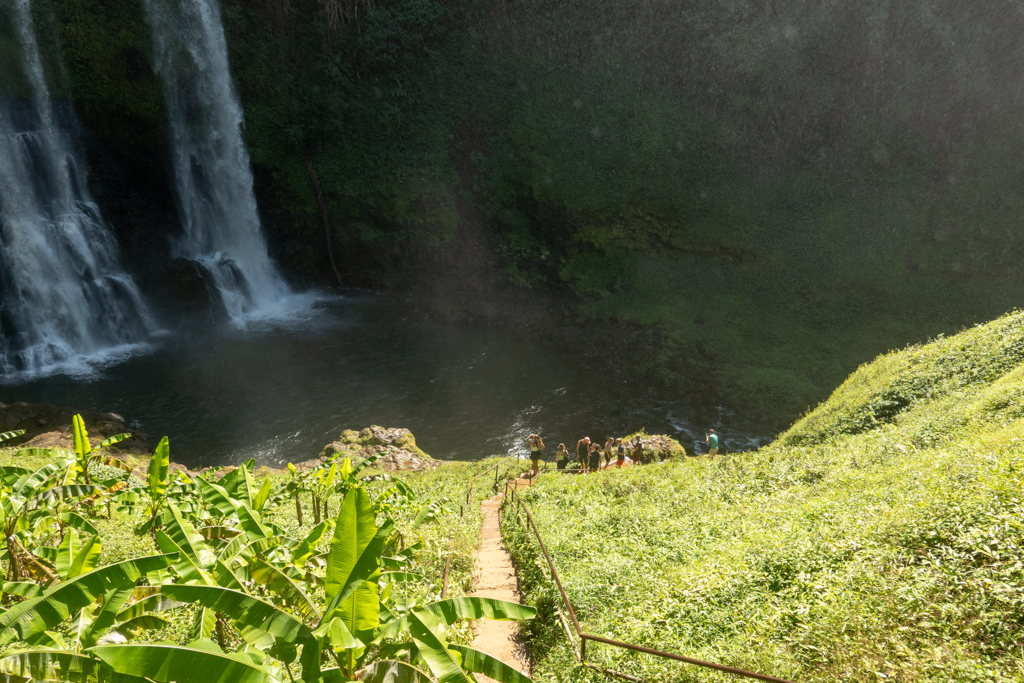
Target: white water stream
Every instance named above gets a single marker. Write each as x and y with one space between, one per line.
65 302
211 164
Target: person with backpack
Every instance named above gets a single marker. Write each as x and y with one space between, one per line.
638 451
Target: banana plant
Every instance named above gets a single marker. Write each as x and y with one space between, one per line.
157 481
5 436
85 454
360 630
321 485
30 507
89 595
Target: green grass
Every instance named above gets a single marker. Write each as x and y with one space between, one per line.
878 540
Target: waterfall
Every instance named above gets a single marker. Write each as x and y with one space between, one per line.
211 165
64 299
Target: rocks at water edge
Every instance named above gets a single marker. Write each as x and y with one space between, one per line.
49 426
398 446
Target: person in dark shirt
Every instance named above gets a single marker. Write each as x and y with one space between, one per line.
620 455
595 457
609 446
583 458
638 451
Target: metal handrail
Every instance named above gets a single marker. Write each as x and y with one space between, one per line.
584 637
462 513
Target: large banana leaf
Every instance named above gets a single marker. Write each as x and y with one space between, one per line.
71 544
424 627
29 484
10 474
185 536
23 589
307 546
353 566
159 468
113 601
225 578
66 492
67 597
251 524
401 577
263 495
49 665
75 556
217 533
110 441
77 521
391 671
248 488
152 603
243 608
81 438
482 663
254 613
186 567
453 609
280 583
10 435
180 664
217 497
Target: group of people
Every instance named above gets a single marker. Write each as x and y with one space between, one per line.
588 453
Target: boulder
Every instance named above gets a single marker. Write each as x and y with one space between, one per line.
397 446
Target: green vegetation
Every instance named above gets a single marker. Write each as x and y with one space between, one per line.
781 190
878 539
214 578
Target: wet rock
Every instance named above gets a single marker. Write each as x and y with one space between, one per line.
49 426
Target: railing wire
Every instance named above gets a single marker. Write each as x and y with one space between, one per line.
581 652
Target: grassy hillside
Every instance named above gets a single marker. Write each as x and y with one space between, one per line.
877 540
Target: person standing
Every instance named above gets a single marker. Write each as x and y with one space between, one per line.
609 446
536 445
561 457
595 457
584 458
638 451
711 439
620 455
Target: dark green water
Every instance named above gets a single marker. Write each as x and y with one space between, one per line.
280 393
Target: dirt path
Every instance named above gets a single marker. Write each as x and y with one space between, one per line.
495 577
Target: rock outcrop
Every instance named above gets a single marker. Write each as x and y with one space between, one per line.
397 446
49 426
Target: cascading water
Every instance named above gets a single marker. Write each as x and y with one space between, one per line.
63 296
211 165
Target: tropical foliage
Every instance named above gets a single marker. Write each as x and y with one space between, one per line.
241 597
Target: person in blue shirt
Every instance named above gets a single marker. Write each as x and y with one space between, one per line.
711 439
